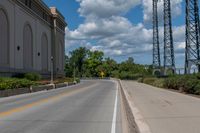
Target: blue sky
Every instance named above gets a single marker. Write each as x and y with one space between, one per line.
69 10
120 28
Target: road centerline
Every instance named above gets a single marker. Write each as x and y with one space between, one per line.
42 101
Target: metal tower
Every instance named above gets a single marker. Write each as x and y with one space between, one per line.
192 35
169 62
156 47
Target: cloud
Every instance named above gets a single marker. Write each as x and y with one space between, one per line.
100 28
147 9
105 8
107 30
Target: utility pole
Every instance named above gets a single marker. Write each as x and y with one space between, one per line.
156 47
192 36
169 59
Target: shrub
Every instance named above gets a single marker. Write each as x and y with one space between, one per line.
129 75
140 80
176 82
198 76
159 83
149 81
77 80
14 83
197 89
185 83
33 76
190 85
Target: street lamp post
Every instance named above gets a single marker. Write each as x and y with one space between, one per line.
51 69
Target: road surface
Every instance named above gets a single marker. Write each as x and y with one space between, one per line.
165 111
90 107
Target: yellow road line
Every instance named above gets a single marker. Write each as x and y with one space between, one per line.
50 99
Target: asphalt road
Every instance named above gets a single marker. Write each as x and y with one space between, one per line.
165 111
90 107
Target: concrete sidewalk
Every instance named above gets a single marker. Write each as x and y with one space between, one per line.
164 111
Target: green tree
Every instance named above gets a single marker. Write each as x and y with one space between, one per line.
68 67
77 59
92 63
108 66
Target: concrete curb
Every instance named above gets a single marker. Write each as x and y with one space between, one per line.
7 93
136 119
32 89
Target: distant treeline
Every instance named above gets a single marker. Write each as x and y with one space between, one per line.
88 63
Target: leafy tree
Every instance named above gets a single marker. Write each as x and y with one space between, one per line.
68 67
108 65
77 60
92 63
88 63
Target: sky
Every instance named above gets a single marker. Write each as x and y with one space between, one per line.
120 28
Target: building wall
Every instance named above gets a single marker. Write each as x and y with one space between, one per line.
60 50
8 8
18 17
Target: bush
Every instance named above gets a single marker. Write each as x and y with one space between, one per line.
190 85
140 80
77 80
33 76
159 83
129 76
197 89
149 81
185 83
171 83
14 83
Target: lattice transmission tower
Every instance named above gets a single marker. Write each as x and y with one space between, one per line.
156 47
192 35
169 60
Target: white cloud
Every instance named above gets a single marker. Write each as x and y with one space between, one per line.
100 28
105 8
147 9
107 30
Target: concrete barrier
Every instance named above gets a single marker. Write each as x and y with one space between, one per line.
7 93
70 84
41 88
32 89
130 120
60 85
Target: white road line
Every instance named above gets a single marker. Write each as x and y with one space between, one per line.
113 129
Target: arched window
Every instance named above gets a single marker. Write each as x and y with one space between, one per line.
4 39
44 46
28 47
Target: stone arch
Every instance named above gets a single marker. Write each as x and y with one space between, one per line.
169 71
4 39
44 51
157 72
28 47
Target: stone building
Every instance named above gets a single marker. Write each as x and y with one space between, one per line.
30 35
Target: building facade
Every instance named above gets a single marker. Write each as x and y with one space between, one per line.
32 38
